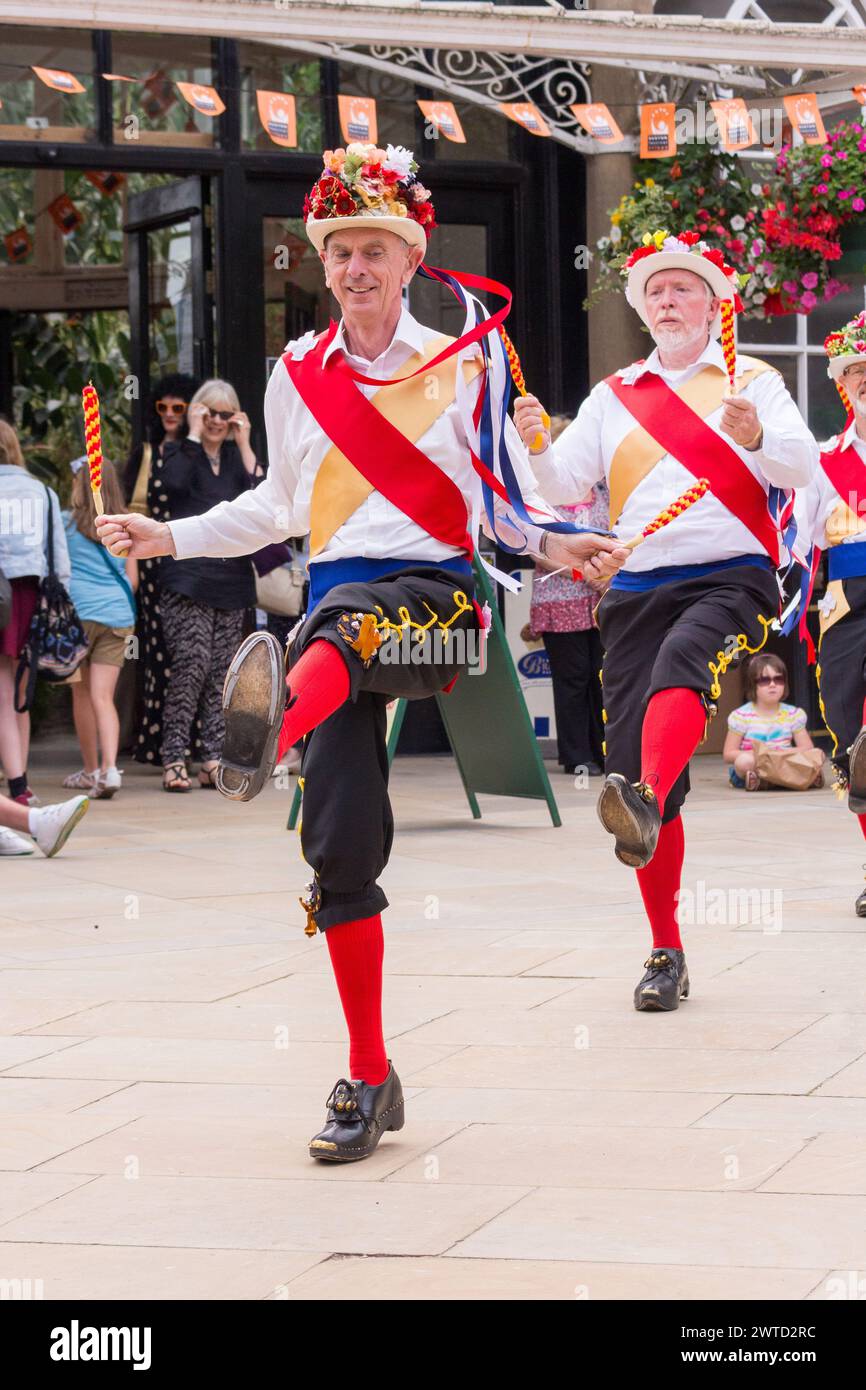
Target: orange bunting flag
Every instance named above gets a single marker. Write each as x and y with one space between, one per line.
206 100
277 115
658 138
597 121
106 180
58 79
736 128
859 95
525 114
358 119
65 214
18 244
442 115
805 117
117 77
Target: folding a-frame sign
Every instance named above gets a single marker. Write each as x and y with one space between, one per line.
487 724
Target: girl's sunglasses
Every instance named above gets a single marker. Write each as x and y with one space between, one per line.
171 407
220 414
770 680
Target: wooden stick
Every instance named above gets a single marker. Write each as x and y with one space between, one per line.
681 504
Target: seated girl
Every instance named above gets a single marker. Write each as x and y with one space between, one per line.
764 719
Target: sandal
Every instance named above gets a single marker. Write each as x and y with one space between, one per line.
81 781
207 773
753 781
175 778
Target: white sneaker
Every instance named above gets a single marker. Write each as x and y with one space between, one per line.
51 826
10 843
107 783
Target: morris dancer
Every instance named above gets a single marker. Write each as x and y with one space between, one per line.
390 489
695 592
831 513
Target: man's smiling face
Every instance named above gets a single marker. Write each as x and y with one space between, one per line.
366 270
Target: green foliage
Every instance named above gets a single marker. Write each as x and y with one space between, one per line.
55 357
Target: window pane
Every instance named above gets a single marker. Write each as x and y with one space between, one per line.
296 299
488 133
69 115
150 110
787 365
276 70
776 330
826 414
434 304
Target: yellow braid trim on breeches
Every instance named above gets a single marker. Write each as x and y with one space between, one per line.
723 660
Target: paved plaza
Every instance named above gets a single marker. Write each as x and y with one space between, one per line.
169 1037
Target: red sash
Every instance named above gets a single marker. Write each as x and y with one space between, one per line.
847 472
692 442
385 457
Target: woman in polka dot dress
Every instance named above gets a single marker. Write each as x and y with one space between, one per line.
165 421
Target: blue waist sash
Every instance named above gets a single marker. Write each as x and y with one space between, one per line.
846 561
356 569
639 581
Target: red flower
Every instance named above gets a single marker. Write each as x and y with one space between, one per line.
424 213
640 254
690 238
327 186
715 257
738 304
344 204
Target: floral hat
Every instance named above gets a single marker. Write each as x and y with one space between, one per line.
665 250
379 185
846 346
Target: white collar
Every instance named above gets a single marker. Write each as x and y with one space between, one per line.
851 437
712 355
408 331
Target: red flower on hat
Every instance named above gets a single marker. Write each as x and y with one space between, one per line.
640 254
344 203
423 213
690 238
715 257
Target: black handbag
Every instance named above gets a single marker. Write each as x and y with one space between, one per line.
56 641
5 601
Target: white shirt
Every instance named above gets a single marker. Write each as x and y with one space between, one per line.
280 506
583 453
817 503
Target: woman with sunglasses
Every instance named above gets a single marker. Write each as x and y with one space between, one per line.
202 601
165 422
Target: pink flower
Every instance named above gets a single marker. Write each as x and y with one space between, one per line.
809 280
756 248
844 193
841 154
860 345
791 286
858 204
826 160
808 300
861 145
820 188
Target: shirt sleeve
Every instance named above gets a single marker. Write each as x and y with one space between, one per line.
62 565
263 514
799 720
737 723
788 456
569 468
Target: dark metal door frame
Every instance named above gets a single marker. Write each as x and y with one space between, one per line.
155 208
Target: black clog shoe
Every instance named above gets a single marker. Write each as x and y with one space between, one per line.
665 983
358 1116
630 813
857 775
254 703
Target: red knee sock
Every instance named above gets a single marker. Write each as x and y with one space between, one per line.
357 949
659 884
673 726
318 685
862 820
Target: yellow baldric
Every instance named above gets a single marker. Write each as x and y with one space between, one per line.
412 407
638 454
